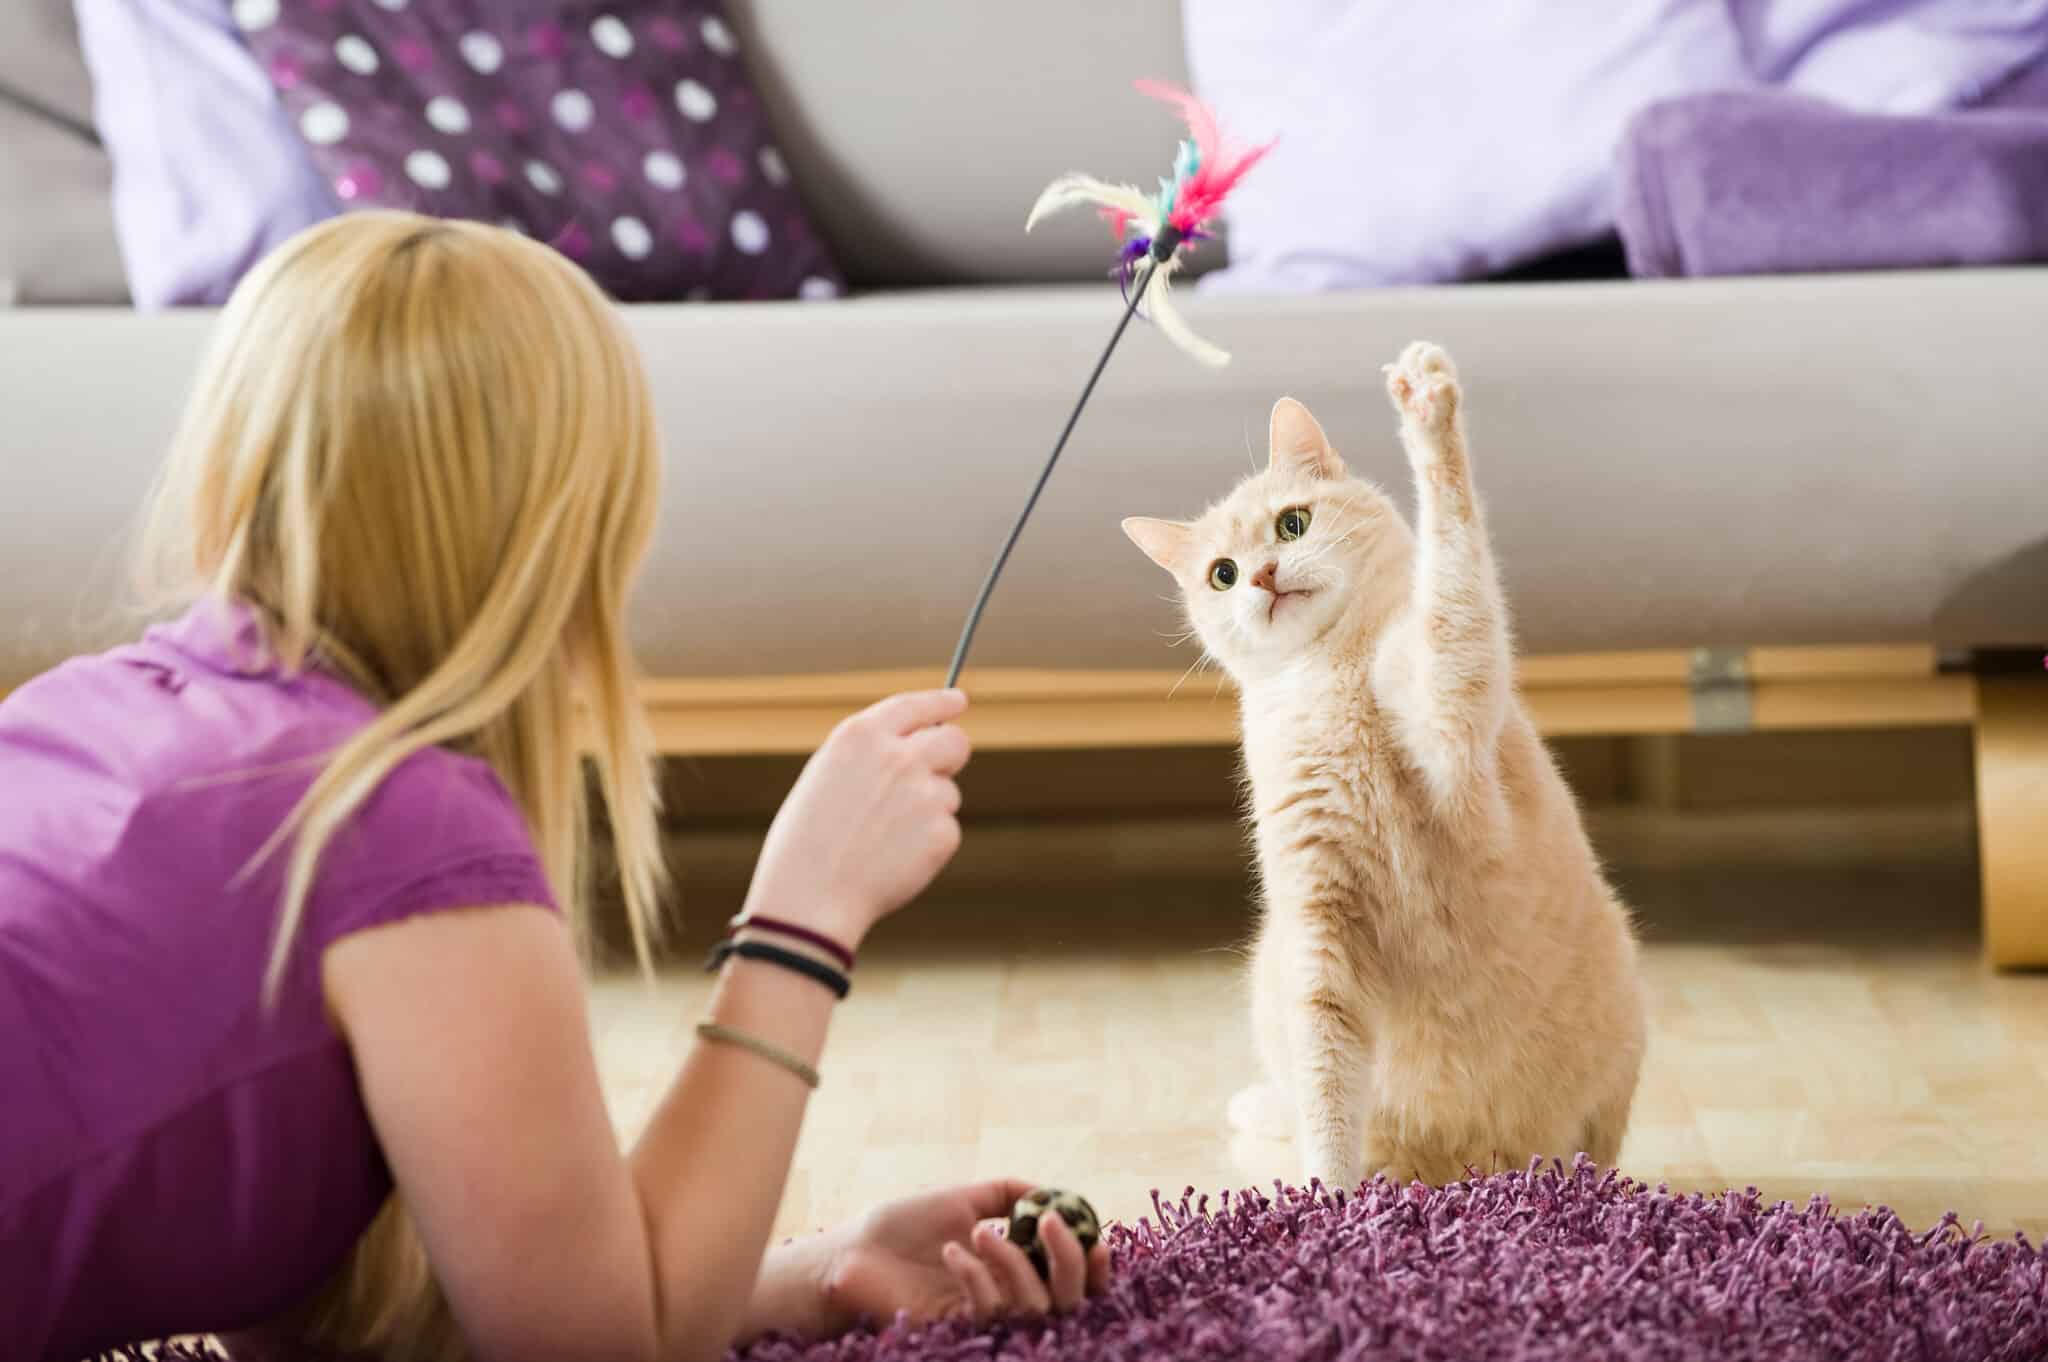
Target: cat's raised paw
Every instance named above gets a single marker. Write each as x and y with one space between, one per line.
1261 1110
1424 385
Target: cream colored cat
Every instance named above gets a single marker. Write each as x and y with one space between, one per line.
1442 977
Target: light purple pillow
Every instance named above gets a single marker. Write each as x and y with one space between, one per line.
1890 56
1431 143
208 173
624 132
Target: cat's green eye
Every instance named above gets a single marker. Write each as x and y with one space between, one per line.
1293 522
1223 574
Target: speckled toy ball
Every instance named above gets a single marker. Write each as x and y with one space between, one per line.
1073 1208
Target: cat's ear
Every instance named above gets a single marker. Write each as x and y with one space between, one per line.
1165 542
1298 444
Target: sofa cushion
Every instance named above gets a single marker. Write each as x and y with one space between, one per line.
921 130
1717 461
40 61
57 233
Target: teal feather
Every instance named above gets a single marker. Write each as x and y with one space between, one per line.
1186 162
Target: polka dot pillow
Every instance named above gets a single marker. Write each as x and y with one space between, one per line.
626 133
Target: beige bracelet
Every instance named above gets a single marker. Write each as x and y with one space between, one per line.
774 1054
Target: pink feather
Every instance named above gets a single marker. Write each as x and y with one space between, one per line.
1198 199
1201 119
1203 194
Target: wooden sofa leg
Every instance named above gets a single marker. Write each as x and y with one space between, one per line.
2012 818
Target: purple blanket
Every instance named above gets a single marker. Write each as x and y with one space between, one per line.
1768 183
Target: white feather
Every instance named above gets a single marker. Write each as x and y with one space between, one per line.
1069 190
1161 312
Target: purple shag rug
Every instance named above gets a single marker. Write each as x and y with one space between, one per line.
1553 1264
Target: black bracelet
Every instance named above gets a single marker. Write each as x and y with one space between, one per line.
774 955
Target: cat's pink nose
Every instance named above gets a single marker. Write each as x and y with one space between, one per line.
1266 576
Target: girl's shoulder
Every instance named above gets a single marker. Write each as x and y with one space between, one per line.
187 751
440 831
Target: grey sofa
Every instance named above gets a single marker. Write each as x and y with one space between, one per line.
1849 467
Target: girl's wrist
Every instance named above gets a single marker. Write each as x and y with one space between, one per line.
790 1295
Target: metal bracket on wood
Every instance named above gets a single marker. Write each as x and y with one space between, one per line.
1719 681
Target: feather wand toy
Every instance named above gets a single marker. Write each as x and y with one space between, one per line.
1154 230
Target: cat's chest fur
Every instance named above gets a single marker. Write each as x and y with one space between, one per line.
1340 819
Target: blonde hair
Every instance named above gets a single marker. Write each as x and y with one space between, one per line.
424 453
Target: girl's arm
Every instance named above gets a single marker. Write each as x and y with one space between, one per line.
472 1046
471 1043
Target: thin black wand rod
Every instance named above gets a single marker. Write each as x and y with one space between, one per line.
988 585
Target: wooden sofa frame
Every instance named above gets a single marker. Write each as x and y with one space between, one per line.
1609 694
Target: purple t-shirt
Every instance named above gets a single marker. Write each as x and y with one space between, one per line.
173 1156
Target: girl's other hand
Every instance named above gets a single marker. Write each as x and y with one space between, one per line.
872 819
944 1254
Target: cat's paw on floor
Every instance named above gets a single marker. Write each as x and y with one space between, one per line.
1424 384
1261 1110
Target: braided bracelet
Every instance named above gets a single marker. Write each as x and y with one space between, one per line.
811 969
774 1054
795 932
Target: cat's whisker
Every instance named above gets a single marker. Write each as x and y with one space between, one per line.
1192 669
1327 546
1317 558
1324 547
1311 559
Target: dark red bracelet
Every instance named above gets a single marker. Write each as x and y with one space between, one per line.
754 922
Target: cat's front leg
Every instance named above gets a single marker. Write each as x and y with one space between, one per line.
1267 1109
1328 1057
1328 1077
1446 672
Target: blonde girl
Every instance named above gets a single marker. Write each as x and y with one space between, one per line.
292 1034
